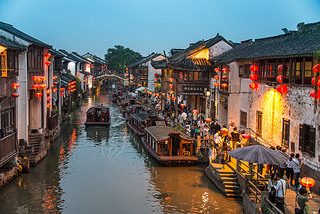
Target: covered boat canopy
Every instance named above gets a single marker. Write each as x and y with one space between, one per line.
138 107
104 109
142 116
125 101
162 133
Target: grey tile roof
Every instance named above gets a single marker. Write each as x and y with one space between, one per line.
145 59
303 42
11 44
10 29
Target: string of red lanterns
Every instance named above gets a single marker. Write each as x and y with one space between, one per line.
253 76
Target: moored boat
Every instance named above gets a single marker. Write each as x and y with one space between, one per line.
138 122
98 116
169 146
131 109
127 102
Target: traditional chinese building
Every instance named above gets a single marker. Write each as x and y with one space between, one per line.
187 73
277 106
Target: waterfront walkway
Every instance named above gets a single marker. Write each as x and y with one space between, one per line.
314 203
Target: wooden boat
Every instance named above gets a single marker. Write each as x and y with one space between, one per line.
169 146
131 109
138 122
127 102
98 116
116 94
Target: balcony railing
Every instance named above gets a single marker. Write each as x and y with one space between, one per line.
8 148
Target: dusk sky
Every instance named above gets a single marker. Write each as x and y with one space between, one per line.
148 26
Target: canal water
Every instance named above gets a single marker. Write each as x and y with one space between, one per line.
106 170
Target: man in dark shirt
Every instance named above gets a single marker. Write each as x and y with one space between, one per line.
235 138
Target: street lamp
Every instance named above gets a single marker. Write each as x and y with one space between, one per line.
208 93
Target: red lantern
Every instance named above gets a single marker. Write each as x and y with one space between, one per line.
55 83
253 77
15 95
208 120
216 77
15 85
196 111
157 94
174 98
225 70
216 84
279 78
280 68
48 63
171 85
156 79
144 90
318 83
313 80
169 97
254 68
224 77
307 182
54 89
48 105
171 79
48 91
48 98
43 86
224 131
313 93
35 87
62 93
163 94
282 89
316 68
61 89
47 55
246 136
224 85
182 105
38 95
156 84
35 78
155 74
54 77
253 85
217 70
170 92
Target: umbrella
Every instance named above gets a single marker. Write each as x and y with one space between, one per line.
258 154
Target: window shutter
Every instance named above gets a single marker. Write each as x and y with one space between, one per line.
312 145
301 146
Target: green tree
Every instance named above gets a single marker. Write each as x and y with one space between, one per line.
119 57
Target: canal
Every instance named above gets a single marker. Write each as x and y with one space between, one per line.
106 170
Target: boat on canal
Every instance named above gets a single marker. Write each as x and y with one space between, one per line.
169 146
128 102
98 116
139 121
131 109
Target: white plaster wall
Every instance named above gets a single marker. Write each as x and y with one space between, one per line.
152 71
218 49
72 68
22 112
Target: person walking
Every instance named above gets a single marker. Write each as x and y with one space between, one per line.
289 171
302 198
235 138
296 170
272 191
281 192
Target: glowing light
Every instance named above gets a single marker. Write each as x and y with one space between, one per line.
282 89
15 95
171 85
38 95
279 78
48 55
15 85
307 182
195 111
48 63
182 105
171 79
170 92
174 98
216 77
254 68
216 84
217 70
253 85
253 77
313 93
224 85
316 68
280 68
246 136
225 70
224 77
208 120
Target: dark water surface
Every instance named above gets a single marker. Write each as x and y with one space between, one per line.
106 170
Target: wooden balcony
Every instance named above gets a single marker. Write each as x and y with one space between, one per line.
8 148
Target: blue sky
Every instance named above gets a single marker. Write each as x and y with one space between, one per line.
150 26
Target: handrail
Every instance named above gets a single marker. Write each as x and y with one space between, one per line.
272 205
